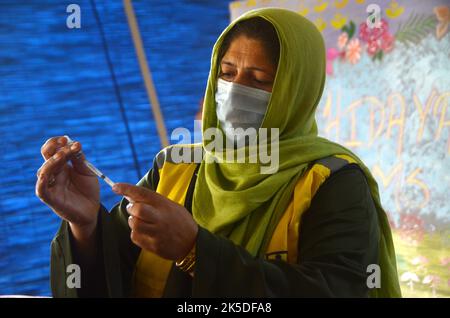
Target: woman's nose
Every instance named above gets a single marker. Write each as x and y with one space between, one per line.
242 78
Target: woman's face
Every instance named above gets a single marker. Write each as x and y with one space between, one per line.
246 62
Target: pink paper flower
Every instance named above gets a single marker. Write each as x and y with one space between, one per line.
364 32
372 48
332 54
367 33
387 42
384 27
375 35
377 38
353 52
342 40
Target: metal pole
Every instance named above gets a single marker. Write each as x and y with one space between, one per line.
146 73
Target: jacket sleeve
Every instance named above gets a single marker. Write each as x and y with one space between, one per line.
338 240
110 274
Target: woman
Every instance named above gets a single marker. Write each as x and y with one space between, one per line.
218 229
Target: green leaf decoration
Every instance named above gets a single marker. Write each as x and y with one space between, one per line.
352 29
378 56
415 29
349 29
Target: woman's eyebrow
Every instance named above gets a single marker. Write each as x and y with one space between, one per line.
254 68
228 63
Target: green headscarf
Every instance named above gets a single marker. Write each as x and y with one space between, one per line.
235 199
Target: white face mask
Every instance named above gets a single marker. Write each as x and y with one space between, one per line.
239 106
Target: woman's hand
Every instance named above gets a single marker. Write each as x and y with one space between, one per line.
72 191
158 224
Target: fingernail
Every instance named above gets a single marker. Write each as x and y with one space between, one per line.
130 218
74 147
129 206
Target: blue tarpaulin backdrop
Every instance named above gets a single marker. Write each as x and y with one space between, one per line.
55 81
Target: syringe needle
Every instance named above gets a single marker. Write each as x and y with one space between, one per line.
91 167
98 173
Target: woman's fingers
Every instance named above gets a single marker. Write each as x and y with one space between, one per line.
53 165
144 241
144 235
73 152
77 158
55 144
48 174
50 167
144 212
52 145
140 226
41 188
141 194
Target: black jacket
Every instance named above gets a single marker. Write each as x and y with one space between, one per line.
338 240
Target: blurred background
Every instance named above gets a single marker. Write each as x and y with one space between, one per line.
386 98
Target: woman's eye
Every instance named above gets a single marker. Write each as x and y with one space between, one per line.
262 82
226 75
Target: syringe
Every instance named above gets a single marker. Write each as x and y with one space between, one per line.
90 166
